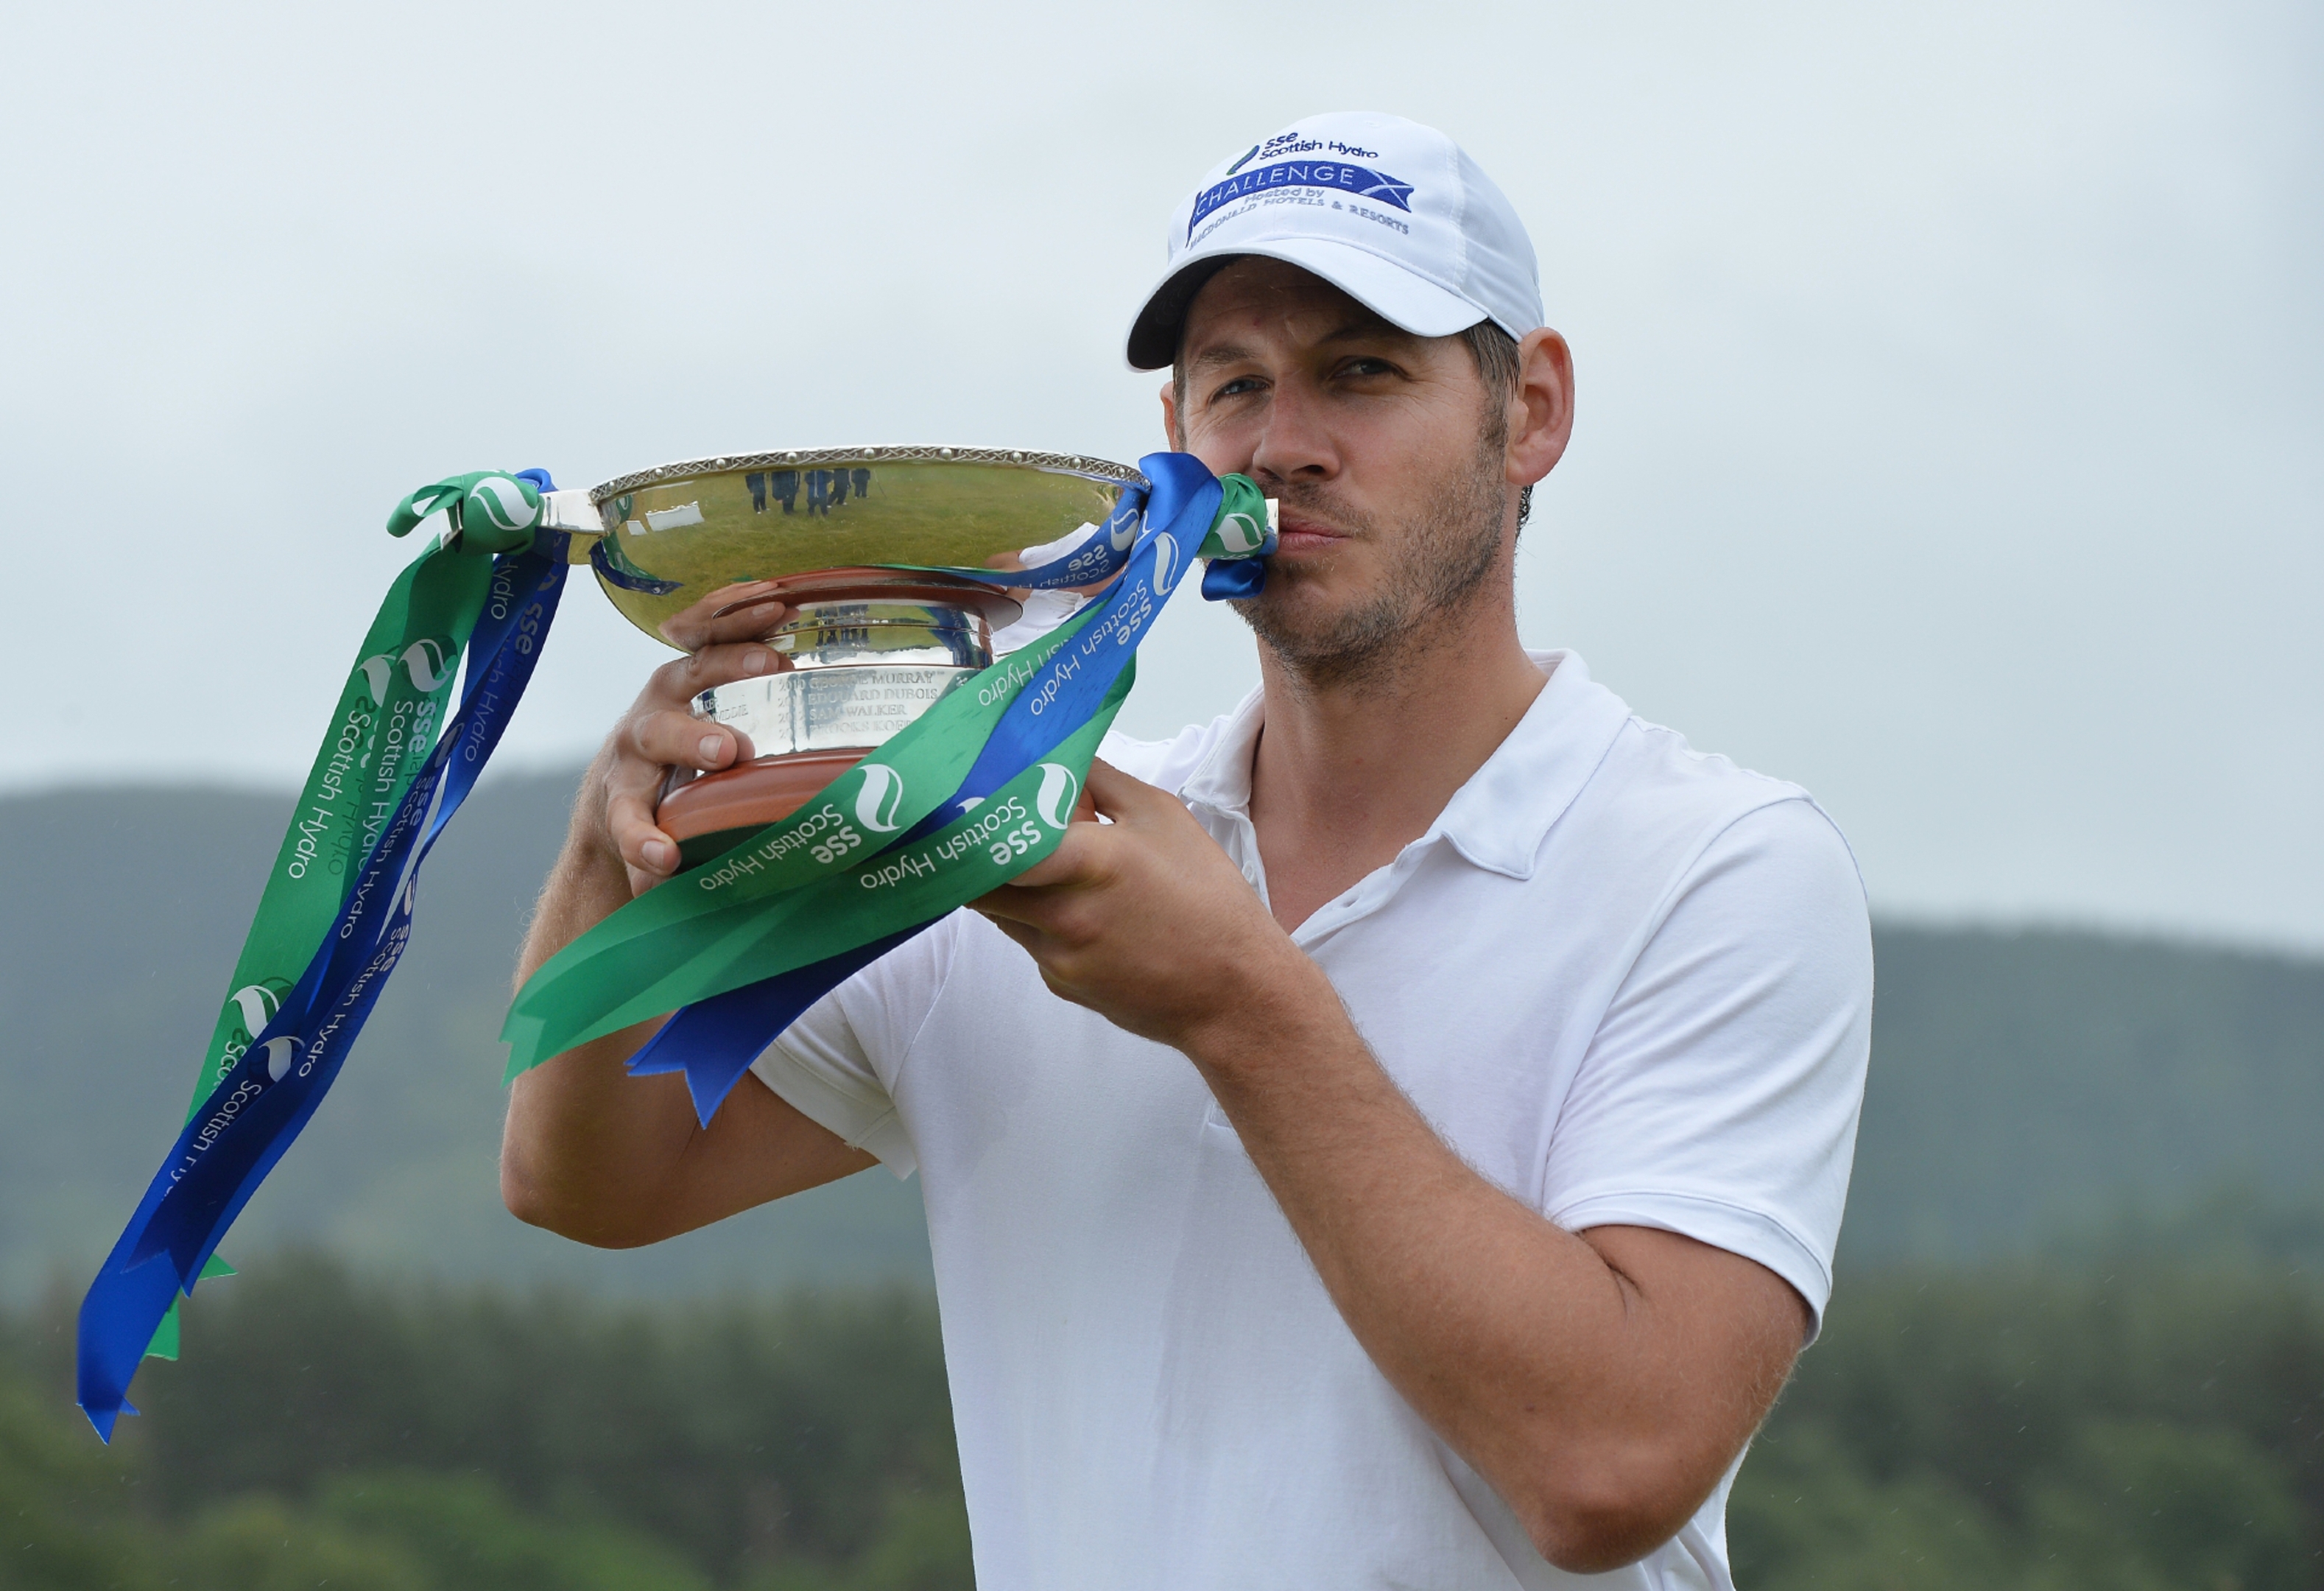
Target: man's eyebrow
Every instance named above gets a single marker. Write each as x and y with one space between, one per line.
1221 354
1363 328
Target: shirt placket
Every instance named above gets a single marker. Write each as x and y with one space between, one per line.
1231 828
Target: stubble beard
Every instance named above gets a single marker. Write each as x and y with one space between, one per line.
1438 566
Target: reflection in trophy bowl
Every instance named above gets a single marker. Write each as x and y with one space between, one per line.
701 554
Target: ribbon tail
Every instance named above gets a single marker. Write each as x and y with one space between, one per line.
130 1312
713 1042
125 1307
165 1341
166 1335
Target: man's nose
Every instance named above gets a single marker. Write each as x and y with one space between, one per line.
1296 444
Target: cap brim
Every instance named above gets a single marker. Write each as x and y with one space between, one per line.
1382 286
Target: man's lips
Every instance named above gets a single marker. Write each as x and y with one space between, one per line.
1294 534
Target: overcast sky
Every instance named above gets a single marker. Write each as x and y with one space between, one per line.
1951 378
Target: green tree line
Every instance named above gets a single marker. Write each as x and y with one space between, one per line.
2144 1425
2050 1426
326 1427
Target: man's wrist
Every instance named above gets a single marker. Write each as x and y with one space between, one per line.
1286 1012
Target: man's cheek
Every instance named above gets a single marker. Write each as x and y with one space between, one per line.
1223 450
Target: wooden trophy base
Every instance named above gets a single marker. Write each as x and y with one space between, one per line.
718 811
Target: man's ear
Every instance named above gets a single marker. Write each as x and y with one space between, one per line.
1541 409
1172 432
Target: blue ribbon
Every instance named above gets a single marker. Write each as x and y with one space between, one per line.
713 1042
607 558
1174 513
1092 560
259 1107
1115 542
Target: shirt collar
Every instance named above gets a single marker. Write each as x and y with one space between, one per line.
1221 781
1499 818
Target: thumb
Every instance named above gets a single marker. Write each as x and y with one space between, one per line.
1117 795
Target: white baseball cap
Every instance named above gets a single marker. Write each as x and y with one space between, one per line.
1393 214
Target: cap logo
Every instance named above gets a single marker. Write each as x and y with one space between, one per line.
1360 180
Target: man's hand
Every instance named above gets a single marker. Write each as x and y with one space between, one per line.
1602 1382
659 733
1143 920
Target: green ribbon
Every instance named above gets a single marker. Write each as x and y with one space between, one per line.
388 716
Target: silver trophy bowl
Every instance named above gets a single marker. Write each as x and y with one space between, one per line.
843 547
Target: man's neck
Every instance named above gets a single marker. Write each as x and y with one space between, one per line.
1346 775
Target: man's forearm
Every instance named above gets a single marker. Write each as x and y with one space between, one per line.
586 885
1522 1344
598 1155
584 1140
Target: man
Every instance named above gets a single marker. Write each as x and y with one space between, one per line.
1405 1145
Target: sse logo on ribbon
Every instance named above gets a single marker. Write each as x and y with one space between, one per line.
877 802
429 660
1059 791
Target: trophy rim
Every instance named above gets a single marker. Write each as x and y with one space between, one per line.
1080 464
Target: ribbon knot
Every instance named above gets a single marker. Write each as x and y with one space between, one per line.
490 510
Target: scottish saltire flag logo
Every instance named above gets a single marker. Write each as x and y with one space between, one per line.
1360 180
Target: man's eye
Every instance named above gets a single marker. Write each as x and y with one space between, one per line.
1365 368
1235 388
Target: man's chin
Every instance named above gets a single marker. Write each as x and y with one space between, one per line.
1321 635
1292 602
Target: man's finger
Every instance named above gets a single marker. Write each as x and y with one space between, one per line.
1054 871
1120 797
745 611
1026 936
681 679
1080 862
673 739
649 854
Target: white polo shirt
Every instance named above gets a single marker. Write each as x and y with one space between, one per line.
1630 982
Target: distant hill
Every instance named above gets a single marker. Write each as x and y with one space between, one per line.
122 914
2028 1084
2022 1082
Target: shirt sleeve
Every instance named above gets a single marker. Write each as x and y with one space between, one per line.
838 1063
1719 1099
